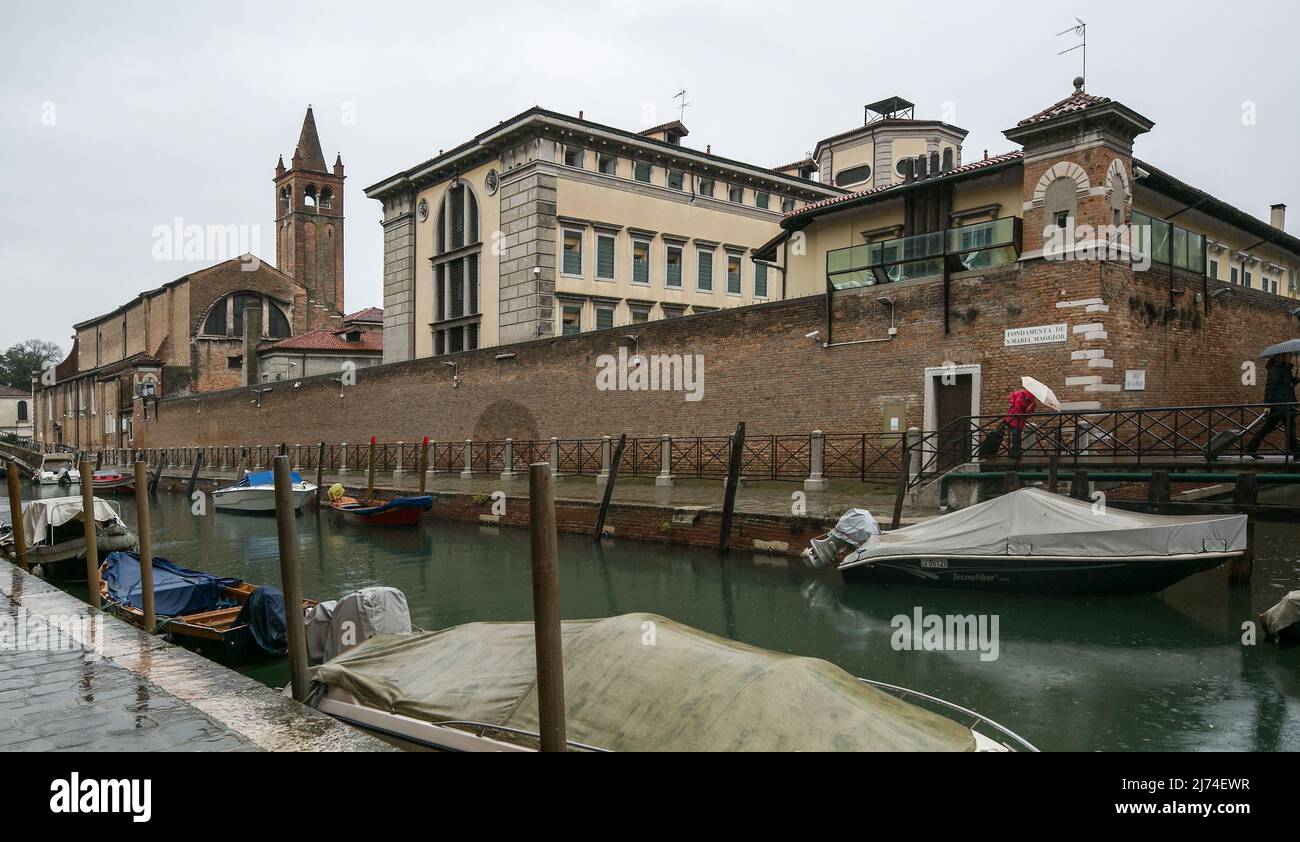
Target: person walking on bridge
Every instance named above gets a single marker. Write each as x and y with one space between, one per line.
1279 391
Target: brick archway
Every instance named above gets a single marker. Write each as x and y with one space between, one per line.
506 419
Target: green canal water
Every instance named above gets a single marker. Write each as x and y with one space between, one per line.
1165 672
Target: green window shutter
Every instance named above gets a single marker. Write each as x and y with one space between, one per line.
641 172
572 254
457 290
440 281
457 217
604 318
673 271
605 257
706 271
760 280
641 263
733 275
472 264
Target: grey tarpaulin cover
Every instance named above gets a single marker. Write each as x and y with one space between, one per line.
639 682
1284 615
1033 522
334 627
56 511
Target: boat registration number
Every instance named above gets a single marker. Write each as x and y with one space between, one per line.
934 563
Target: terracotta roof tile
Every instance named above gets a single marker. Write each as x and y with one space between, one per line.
370 314
372 341
1077 101
11 392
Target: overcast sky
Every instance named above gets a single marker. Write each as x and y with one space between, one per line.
116 118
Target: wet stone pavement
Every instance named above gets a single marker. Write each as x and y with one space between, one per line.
75 679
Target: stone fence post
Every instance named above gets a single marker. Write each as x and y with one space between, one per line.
815 481
665 478
605 459
401 452
343 458
555 459
468 472
508 462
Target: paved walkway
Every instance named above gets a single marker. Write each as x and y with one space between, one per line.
111 687
768 498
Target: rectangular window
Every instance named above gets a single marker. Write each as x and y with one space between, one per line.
787 204
760 280
457 217
573 252
640 262
571 320
608 164
604 317
676 179
673 266
1250 280
762 200
706 187
457 283
673 312
1234 274
1214 269
573 156
456 340
640 314
473 336
440 290
733 274
439 343
471 282
641 171
736 194
605 257
704 279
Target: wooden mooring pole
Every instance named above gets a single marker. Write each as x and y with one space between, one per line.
146 543
609 489
194 475
546 608
1246 493
424 465
16 515
370 481
290 584
1079 486
92 539
733 481
320 471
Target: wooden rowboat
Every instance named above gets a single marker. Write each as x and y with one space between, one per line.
216 632
113 482
403 511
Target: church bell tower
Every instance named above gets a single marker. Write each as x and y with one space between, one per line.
309 219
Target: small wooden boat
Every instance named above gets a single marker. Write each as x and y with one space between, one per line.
208 614
256 493
403 511
113 482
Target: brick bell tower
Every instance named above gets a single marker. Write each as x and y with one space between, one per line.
309 221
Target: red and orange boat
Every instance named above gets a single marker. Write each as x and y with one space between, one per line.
402 511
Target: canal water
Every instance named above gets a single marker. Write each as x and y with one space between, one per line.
1164 672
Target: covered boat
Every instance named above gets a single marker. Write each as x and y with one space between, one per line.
256 493
57 469
1031 541
637 682
402 511
1282 622
56 535
221 617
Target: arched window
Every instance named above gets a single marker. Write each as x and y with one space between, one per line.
22 411
309 196
226 318
286 198
1061 202
947 158
326 198
457 219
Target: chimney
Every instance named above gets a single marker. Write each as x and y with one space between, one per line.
922 171
252 336
1277 217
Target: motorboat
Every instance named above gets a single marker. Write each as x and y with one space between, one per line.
256 493
474 688
402 511
55 534
113 482
220 617
57 469
1032 541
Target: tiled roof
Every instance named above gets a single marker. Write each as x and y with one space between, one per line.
675 125
1077 101
964 169
372 341
11 392
370 314
796 165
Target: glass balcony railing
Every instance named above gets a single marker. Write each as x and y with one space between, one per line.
984 245
1167 244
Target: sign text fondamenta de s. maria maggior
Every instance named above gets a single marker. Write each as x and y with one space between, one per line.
1016 337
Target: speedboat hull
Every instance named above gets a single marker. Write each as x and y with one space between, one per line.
257 498
404 511
1035 575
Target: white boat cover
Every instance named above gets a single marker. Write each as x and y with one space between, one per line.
334 627
1034 522
639 682
38 515
1283 615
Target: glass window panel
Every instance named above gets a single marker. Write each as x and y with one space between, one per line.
605 257
704 279
733 274
573 252
760 280
673 267
640 262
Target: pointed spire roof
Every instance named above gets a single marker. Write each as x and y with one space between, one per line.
308 150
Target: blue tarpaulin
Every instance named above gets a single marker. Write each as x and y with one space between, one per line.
264 615
264 478
176 590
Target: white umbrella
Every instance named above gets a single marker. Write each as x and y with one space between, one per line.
1045 396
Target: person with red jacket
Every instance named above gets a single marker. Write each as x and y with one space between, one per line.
1022 403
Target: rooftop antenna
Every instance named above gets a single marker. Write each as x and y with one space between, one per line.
1080 29
682 107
